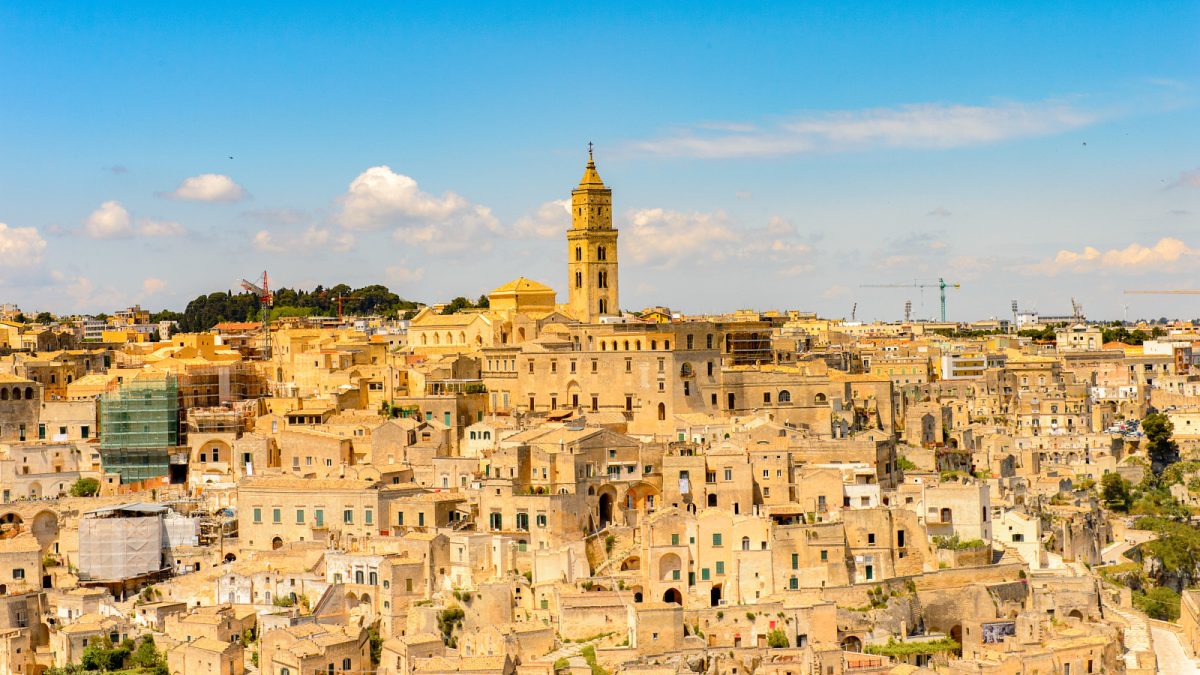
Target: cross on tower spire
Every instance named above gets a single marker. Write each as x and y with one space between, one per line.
589 151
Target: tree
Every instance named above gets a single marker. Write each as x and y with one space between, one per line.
85 487
1115 491
777 639
45 317
1160 447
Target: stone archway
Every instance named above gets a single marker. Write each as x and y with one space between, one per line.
276 544
714 596
672 595
852 643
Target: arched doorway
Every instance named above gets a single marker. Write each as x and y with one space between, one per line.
1076 614
712 499
852 644
714 596
229 557
956 635
606 509
276 544
673 595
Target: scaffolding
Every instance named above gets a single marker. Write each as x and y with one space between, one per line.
748 347
139 424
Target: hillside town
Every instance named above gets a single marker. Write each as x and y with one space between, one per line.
535 484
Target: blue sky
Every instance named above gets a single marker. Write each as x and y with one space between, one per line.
761 155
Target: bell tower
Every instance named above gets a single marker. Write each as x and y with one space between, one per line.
592 249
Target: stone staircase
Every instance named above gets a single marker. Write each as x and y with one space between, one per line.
1138 644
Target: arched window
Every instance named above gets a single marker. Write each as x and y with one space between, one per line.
358 577
667 345
578 253
603 345
745 543
627 345
373 578
603 306
462 338
638 345
662 412
3 394
17 394
785 396
284 671
820 398
437 339
601 254
487 435
654 344
449 338
579 280
424 339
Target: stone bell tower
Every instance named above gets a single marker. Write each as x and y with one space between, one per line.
592 249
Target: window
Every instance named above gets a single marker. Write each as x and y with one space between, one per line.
85 431
704 574
319 517
870 572
793 583
720 568
824 555
277 516
18 573
691 342
674 539
368 516
299 516
785 396
728 474
42 432
795 561
541 520
870 537
346 664
766 397
716 538
348 517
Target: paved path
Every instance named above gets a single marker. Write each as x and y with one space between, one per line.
1172 660
1114 553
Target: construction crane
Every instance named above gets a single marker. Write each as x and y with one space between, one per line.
1173 291
941 285
854 312
265 300
339 299
907 311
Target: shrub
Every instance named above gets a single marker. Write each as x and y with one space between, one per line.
777 639
85 487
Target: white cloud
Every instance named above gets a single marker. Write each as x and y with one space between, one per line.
402 274
21 248
1169 254
665 238
927 125
312 240
208 187
109 221
939 212
380 197
85 295
150 227
551 219
152 285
